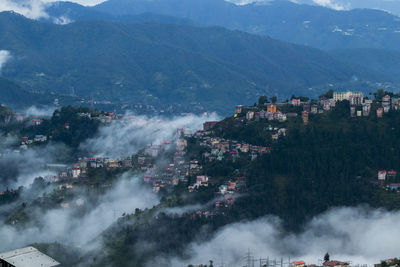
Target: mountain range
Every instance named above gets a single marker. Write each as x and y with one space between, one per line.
170 51
160 62
315 26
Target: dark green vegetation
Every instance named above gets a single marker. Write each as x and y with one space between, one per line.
163 63
80 127
332 161
302 24
15 96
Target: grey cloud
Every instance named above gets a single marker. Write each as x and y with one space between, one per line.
360 235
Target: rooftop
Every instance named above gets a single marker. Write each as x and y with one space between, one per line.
28 257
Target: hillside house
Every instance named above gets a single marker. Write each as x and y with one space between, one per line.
394 186
379 112
249 115
296 102
263 114
386 100
395 103
298 264
76 171
304 116
314 109
271 108
366 109
391 174
37 122
239 109
382 175
354 97
201 180
335 264
40 138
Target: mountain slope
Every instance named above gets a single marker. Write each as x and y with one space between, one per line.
379 60
60 12
302 24
13 95
150 62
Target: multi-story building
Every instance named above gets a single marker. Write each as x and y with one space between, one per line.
355 98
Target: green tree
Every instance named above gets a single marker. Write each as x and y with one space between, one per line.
262 100
326 257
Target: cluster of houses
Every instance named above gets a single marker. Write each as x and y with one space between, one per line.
359 106
220 148
329 263
26 141
335 263
270 113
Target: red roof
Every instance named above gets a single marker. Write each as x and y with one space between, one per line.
298 262
334 263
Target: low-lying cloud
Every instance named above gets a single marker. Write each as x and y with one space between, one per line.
63 225
36 9
359 235
4 57
20 168
126 137
34 111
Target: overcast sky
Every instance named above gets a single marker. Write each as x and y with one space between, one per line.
36 8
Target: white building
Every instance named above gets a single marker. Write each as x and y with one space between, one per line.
355 98
382 175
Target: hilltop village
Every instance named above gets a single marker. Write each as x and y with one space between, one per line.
258 161
185 169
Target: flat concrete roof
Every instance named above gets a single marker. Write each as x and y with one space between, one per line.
28 257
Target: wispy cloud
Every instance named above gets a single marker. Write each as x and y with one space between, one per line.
126 137
34 111
332 4
36 9
4 57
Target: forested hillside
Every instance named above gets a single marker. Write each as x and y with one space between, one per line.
315 26
163 63
332 161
